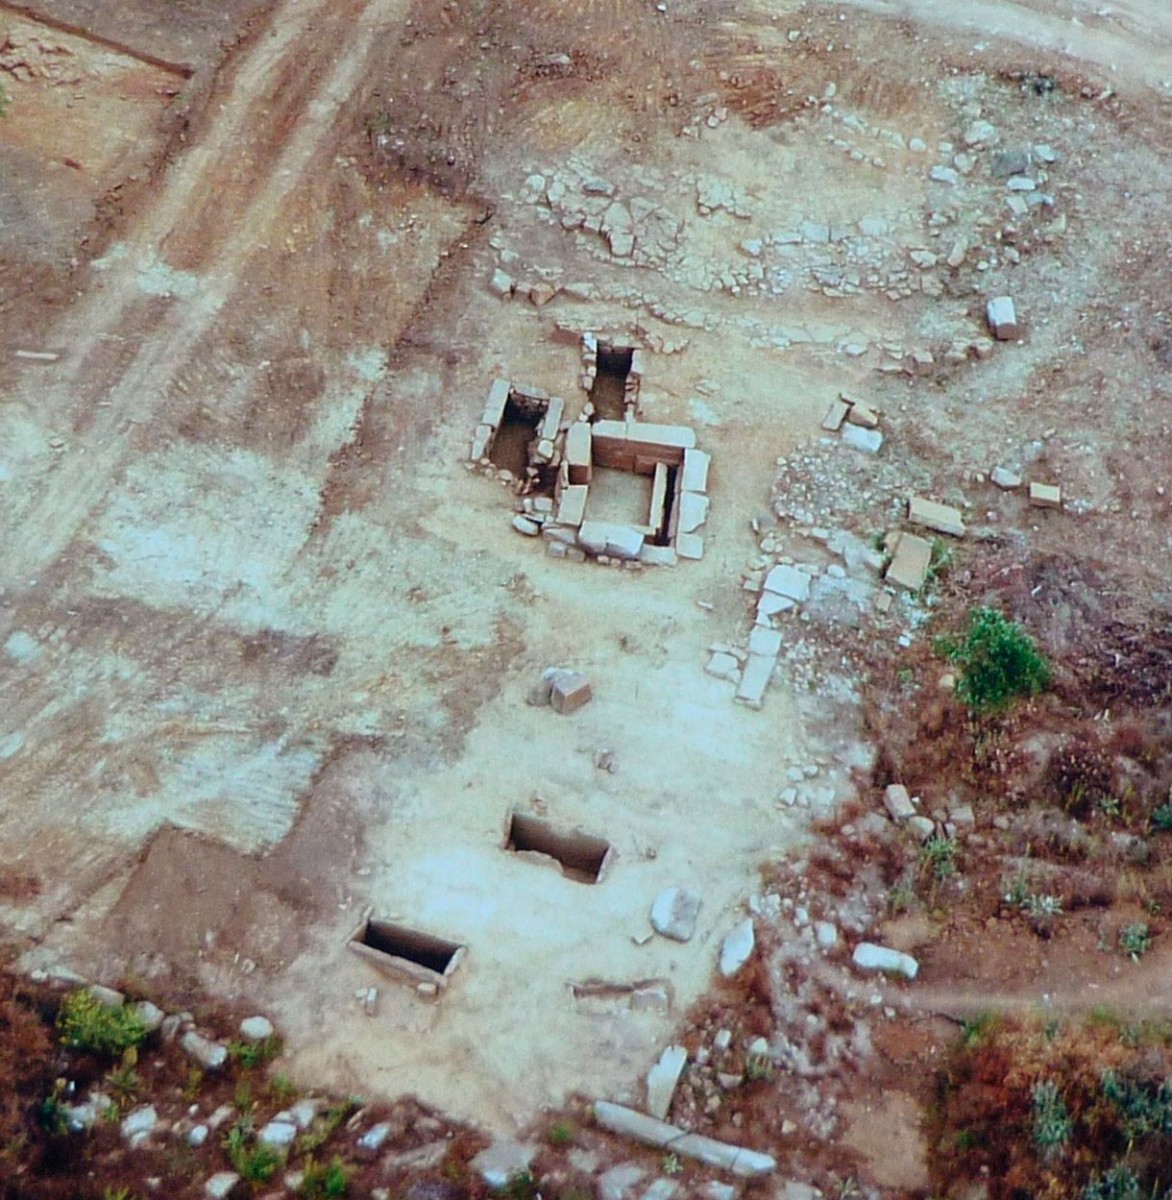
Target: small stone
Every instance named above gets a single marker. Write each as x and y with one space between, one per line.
209 1055
662 1080
501 284
569 691
922 827
151 1015
674 913
737 948
870 957
197 1135
502 1161
1045 495
371 1141
256 1029
106 997
221 1185
898 803
277 1134
980 133
946 175
826 934
1002 318
138 1125
617 1182
526 527
1005 479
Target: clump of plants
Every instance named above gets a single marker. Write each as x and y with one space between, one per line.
84 1023
1062 1110
997 662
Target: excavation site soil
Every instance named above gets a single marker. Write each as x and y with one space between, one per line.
336 685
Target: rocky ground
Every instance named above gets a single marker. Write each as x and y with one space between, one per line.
268 637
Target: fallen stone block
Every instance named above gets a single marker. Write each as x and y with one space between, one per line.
922 827
662 1080
1005 479
784 580
481 441
256 1029
870 957
619 1182
941 517
1002 318
724 666
650 1132
578 452
835 415
910 564
674 913
869 441
615 541
755 679
524 526
898 803
572 505
503 1161
494 406
569 691
737 948
223 1185
764 641
502 284
693 511
209 1055
863 415
1045 495
690 546
771 605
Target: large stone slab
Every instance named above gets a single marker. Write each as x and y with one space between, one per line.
662 1080
503 1161
494 406
693 511
605 537
788 581
572 505
695 475
578 453
941 517
870 957
910 563
755 679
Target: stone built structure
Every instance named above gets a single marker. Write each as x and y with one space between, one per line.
562 458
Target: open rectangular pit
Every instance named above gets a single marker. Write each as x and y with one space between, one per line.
406 954
510 446
609 393
583 858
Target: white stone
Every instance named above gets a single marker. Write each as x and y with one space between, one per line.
764 641
737 948
278 1134
221 1185
662 1080
502 1161
674 913
826 934
151 1015
870 957
755 679
898 802
256 1029
789 582
693 511
106 997
1002 318
501 283
604 537
524 526
617 1182
724 666
374 1137
1005 479
210 1055
870 441
138 1125
197 1135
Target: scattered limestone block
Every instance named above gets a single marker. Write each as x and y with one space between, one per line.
941 517
569 691
494 406
551 422
922 827
503 1161
222 1185
737 948
658 556
209 1055
481 440
524 526
693 511
690 545
501 284
909 566
863 415
1002 318
615 541
572 505
1045 495
869 441
278 1134
662 1080
540 294
256 1029
788 581
674 913
695 475
771 604
619 1182
764 641
577 454
151 1015
724 666
1005 479
835 415
106 997
755 679
870 957
898 803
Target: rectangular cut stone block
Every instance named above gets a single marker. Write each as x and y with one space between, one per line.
870 441
864 416
755 679
578 452
1045 495
494 406
658 500
569 691
835 415
1002 318
481 442
941 517
690 545
604 537
789 582
552 420
693 511
572 505
695 474
909 566
658 556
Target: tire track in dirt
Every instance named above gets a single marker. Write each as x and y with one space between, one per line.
325 40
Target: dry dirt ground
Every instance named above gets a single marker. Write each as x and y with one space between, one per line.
266 641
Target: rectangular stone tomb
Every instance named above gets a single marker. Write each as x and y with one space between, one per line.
408 955
581 857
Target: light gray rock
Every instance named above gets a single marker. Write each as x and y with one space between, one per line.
870 957
256 1029
501 284
650 1132
209 1055
422 1158
755 679
715 1190
662 1080
197 1135
80 1117
870 441
724 666
737 948
946 175
898 803
764 641
138 1125
788 581
151 1015
619 1181
1002 318
661 1189
922 827
826 933
371 1141
1005 479
278 1134
106 997
221 1185
605 537
980 133
501 1161
674 913
523 525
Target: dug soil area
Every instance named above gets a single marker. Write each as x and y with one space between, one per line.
280 595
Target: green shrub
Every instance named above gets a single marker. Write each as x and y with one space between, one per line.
255 1054
84 1024
320 1182
1052 1125
560 1133
1135 940
997 660
252 1162
1119 1183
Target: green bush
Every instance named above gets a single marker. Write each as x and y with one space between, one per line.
320 1182
997 660
83 1023
1052 1124
252 1162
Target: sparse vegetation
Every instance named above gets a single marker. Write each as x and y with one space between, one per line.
560 1133
253 1162
324 1182
255 1054
1052 1124
83 1023
1135 940
998 662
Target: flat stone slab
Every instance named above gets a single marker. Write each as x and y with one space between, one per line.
737 948
1045 495
870 957
690 546
835 415
764 641
755 679
1002 318
695 473
503 1160
898 803
910 563
662 1080
941 517
674 913
789 582
870 441
604 537
693 511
